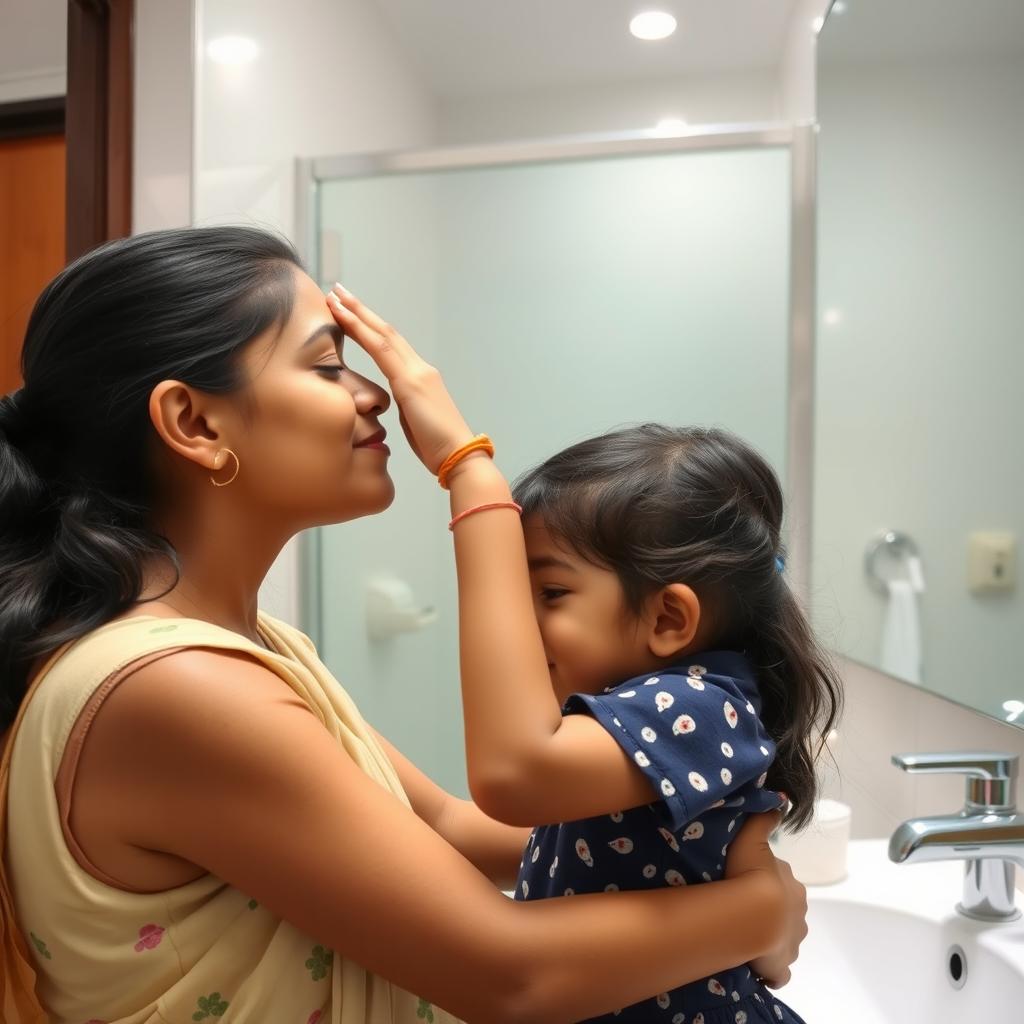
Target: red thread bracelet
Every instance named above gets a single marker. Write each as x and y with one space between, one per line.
484 508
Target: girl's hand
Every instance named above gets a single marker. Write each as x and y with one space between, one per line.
750 852
432 423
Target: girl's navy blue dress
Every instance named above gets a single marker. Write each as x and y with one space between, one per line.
695 732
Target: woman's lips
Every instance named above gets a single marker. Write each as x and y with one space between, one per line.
375 440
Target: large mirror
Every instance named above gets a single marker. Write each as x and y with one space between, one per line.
918 483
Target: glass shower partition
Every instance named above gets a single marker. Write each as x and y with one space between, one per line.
562 288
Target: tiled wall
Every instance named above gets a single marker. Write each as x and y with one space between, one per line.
884 717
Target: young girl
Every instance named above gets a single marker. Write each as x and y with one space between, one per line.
654 555
673 686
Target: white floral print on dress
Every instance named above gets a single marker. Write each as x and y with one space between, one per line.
669 838
683 724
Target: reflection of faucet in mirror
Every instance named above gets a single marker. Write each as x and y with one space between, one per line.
988 833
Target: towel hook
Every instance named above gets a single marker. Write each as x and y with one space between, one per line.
895 546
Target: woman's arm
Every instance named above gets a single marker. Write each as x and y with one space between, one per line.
244 781
493 848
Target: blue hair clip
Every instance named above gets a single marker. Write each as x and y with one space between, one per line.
780 563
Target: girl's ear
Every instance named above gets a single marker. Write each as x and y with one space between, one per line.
674 617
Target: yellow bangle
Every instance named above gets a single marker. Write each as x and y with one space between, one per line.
480 443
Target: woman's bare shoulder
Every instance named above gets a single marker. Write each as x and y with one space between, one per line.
155 724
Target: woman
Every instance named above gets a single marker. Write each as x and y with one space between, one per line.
199 823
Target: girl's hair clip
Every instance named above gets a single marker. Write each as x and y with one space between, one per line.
780 563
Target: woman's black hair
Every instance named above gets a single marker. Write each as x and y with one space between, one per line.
659 505
76 486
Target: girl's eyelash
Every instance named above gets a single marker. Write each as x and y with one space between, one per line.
550 593
334 371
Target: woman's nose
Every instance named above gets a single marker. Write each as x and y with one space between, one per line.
371 398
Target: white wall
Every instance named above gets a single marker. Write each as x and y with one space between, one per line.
164 114
706 99
329 78
797 68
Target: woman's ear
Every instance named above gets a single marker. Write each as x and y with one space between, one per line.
185 422
674 616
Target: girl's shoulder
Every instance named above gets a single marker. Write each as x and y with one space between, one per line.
729 671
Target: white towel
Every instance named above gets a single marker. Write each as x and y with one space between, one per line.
901 634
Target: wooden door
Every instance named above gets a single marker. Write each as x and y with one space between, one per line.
32 232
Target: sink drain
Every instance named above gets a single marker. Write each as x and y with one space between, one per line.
956 967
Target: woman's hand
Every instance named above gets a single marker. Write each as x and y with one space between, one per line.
750 852
432 423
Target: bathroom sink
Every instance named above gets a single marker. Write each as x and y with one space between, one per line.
886 946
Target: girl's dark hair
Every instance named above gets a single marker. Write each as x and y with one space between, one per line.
76 487
660 505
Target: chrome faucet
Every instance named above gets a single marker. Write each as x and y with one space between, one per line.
988 833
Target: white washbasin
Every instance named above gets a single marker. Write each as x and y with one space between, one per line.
879 949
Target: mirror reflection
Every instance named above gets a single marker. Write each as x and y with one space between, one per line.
918 487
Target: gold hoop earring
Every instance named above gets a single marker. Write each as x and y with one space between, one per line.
216 460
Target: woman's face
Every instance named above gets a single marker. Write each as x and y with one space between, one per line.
305 421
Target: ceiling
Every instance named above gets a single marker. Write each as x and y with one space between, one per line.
473 47
33 37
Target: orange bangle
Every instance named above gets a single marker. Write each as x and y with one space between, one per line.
484 508
480 443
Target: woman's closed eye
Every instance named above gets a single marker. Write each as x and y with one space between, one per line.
332 371
552 593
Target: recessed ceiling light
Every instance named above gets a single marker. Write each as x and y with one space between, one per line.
669 127
653 25
838 7
232 50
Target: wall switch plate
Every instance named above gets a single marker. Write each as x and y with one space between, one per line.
991 562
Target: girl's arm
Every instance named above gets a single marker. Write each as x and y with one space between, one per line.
257 792
526 764
493 848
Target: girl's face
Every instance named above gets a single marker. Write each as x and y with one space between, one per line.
302 443
590 638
